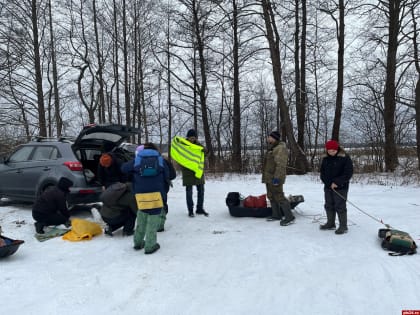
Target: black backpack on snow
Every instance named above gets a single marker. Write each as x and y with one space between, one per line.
398 242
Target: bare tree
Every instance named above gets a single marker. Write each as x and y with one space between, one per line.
417 68
298 159
38 71
57 107
330 8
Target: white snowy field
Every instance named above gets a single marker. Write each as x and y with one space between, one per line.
221 264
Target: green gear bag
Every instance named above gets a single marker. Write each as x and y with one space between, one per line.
399 242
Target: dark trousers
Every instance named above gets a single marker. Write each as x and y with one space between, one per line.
335 202
200 197
126 220
50 218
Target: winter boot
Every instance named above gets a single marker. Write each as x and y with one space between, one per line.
330 225
288 216
202 211
39 227
108 231
190 213
276 212
342 218
153 249
128 232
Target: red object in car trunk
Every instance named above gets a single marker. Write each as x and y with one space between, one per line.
86 191
74 165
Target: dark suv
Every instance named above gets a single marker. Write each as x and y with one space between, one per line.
37 165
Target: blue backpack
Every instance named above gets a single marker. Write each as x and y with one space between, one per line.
149 162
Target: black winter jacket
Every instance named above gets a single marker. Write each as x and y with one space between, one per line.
112 174
336 169
52 201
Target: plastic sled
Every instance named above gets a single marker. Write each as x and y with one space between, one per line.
236 209
10 248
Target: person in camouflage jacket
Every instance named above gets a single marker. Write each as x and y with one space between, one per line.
274 176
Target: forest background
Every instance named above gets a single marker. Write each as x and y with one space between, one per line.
234 70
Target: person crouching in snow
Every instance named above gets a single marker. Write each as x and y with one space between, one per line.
119 208
336 172
149 173
50 208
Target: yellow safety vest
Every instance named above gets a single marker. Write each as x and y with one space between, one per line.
188 155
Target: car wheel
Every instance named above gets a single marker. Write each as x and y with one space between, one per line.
43 189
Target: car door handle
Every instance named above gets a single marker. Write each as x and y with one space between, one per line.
18 171
46 168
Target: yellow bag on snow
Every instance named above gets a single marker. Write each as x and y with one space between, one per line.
82 230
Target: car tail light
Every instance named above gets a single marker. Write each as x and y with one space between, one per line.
74 166
86 191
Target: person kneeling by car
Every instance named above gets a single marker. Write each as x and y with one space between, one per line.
119 208
50 208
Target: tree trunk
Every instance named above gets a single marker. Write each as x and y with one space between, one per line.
301 111
340 74
126 81
57 109
99 73
168 65
391 155
417 93
298 161
236 133
417 107
116 71
203 87
38 72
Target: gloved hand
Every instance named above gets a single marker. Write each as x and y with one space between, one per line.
275 181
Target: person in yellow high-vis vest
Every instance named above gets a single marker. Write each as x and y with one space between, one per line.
189 179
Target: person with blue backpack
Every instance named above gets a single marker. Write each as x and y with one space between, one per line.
149 175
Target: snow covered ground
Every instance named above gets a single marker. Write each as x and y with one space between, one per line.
221 264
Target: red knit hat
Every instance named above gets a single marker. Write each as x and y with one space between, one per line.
331 145
105 160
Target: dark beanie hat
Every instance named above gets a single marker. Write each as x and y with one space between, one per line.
275 134
331 145
191 133
64 184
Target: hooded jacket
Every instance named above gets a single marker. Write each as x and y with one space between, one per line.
147 184
53 200
336 169
275 163
112 174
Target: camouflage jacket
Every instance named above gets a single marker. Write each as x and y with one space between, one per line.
275 162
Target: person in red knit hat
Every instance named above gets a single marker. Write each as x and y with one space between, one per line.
336 172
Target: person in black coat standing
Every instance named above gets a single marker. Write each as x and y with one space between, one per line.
336 172
50 208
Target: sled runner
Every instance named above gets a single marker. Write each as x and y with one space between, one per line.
238 205
10 247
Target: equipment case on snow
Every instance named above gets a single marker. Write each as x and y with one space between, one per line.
236 208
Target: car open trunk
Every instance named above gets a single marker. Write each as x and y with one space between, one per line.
94 140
